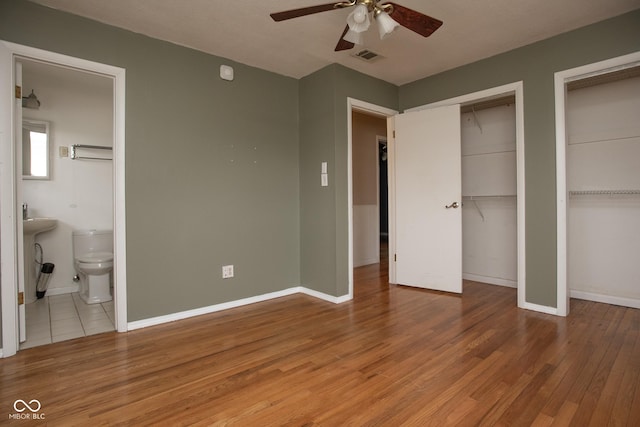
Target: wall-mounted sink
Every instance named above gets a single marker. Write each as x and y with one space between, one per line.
31 227
38 225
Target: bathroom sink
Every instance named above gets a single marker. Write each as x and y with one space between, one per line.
38 225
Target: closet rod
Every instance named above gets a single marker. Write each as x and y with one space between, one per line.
489 196
603 192
489 154
603 141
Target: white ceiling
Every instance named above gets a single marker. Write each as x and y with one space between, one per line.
241 30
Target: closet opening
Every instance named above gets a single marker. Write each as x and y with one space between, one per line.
489 191
493 187
597 142
603 184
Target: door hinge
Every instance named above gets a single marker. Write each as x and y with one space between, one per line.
395 257
394 133
18 92
20 298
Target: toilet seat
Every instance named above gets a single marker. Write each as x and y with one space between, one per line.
96 257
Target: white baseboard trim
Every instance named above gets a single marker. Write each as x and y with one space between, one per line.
363 262
325 297
153 321
61 291
540 308
607 299
490 280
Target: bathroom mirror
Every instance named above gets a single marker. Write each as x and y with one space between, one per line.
35 149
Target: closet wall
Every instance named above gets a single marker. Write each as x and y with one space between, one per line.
603 178
489 228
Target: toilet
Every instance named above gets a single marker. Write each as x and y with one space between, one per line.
93 261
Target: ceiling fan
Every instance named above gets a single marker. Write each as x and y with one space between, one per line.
388 16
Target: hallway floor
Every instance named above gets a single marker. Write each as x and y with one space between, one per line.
64 317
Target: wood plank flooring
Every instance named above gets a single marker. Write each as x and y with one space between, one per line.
393 356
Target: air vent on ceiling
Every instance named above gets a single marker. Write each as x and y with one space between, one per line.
367 55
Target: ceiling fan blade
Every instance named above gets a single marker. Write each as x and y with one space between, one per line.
342 43
295 13
415 21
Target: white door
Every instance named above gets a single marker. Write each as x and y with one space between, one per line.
428 199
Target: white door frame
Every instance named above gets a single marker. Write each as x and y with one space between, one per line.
380 140
9 211
561 78
516 89
375 110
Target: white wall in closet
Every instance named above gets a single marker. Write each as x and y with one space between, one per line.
489 228
603 154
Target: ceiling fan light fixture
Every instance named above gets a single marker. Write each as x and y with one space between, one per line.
354 37
389 16
386 24
359 20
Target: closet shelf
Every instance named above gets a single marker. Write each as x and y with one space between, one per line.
604 192
489 196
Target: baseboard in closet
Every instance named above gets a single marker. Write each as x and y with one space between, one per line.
608 299
490 280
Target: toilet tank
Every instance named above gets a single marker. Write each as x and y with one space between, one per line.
87 241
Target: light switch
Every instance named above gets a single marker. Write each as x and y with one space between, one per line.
324 167
324 179
63 151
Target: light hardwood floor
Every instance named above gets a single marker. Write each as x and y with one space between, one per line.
393 356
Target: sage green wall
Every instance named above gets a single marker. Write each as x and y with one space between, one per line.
211 166
323 137
535 65
229 172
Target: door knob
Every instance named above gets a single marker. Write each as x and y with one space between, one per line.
453 205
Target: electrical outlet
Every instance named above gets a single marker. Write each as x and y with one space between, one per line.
227 271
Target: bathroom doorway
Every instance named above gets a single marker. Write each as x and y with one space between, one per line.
95 203
77 192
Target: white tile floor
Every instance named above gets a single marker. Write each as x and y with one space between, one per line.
64 317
